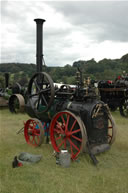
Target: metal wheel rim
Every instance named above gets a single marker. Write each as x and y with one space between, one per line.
63 137
20 103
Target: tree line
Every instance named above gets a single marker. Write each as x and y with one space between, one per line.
103 70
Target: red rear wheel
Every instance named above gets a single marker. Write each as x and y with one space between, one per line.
67 131
111 130
34 132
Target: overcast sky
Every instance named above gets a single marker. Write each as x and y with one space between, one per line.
74 30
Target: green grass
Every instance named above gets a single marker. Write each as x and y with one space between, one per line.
110 176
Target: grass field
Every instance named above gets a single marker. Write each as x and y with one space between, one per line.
110 176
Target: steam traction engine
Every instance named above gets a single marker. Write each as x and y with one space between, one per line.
74 118
115 94
12 96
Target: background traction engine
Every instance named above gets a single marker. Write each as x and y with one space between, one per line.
74 118
115 94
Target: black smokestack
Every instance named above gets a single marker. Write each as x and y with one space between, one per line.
6 79
39 43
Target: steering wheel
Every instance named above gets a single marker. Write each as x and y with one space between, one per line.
41 92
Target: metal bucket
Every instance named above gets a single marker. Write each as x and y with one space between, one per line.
64 158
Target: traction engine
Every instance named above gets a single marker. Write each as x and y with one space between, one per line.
75 119
72 118
115 94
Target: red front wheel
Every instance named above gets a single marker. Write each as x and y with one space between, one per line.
67 131
34 132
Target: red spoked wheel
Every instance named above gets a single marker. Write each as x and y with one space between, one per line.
67 131
34 132
111 129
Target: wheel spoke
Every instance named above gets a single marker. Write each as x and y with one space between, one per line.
38 102
57 131
68 116
70 141
76 131
78 139
32 139
37 87
61 143
63 119
36 133
34 124
30 127
57 138
32 95
73 125
38 138
44 90
58 125
44 100
35 141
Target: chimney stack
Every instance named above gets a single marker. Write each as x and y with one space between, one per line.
39 43
6 79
